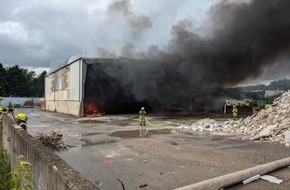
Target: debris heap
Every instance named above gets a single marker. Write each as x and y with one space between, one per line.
52 139
270 123
202 125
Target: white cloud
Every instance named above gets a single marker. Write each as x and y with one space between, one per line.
47 33
13 30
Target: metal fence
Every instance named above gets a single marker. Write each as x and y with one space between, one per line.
18 101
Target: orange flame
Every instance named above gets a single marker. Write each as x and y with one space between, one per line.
91 110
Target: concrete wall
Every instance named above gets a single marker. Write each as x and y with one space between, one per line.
50 172
67 107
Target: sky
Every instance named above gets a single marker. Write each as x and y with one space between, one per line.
48 34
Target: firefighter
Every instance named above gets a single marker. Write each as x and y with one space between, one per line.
142 114
21 120
1 112
4 111
235 112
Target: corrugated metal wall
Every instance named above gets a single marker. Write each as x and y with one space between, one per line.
64 89
65 84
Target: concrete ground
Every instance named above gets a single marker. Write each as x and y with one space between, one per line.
114 152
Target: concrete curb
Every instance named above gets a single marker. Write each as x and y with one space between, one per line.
237 177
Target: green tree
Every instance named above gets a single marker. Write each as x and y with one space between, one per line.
3 80
16 81
20 81
38 84
280 85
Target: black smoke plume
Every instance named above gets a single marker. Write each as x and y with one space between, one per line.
241 38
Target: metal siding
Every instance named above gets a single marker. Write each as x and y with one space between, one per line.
63 84
47 88
75 75
84 73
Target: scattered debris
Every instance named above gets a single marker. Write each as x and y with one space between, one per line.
91 142
52 139
108 162
121 184
270 123
287 138
98 182
271 179
251 179
202 125
143 185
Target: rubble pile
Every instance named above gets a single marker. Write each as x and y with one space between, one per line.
52 139
202 125
270 123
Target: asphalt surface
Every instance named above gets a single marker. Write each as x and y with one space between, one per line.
114 152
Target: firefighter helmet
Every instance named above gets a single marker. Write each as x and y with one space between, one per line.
22 117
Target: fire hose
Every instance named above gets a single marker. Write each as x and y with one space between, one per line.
155 125
180 122
169 123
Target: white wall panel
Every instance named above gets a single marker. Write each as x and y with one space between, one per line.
47 88
75 80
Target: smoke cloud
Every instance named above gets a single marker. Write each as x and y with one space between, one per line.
239 39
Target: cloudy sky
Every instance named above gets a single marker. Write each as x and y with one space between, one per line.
47 34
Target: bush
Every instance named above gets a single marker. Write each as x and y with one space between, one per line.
5 177
22 175
19 178
10 105
17 106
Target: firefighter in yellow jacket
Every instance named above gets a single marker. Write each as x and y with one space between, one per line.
235 112
142 114
21 120
4 111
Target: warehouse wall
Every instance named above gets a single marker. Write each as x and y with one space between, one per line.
50 172
63 89
65 83
67 107
76 80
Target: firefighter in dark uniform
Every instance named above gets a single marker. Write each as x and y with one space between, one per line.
142 114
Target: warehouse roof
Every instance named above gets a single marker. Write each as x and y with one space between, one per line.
91 60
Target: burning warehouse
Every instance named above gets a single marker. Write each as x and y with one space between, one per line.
91 86
242 41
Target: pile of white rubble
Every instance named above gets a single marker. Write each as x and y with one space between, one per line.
270 123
